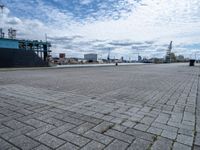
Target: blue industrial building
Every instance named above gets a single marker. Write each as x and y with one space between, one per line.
23 53
9 43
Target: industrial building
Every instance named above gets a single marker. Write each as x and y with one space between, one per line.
22 53
90 57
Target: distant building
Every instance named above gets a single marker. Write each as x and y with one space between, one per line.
122 59
62 55
73 60
90 57
180 58
62 59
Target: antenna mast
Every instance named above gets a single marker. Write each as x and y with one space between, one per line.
1 7
1 11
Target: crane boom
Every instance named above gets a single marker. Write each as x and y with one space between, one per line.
168 55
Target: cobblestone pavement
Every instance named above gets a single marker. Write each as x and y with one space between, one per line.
113 108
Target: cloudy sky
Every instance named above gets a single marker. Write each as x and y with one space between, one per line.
123 27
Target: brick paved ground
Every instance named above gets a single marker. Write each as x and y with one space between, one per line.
113 108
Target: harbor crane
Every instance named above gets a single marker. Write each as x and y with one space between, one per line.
168 54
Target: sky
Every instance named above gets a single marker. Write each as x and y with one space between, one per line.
122 27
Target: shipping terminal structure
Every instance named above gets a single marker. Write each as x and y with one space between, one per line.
22 53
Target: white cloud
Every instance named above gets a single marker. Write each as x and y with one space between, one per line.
150 20
85 2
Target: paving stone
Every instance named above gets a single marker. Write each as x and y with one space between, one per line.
14 124
165 127
129 124
31 116
162 144
154 130
24 142
17 132
136 118
163 118
38 105
168 134
107 117
93 146
74 138
119 128
141 127
117 145
42 147
98 137
75 115
189 123
119 135
5 130
72 120
117 120
7 112
82 128
146 109
141 134
89 113
139 144
167 105
56 110
134 110
196 147
182 126
186 132
39 131
59 130
68 146
24 111
91 119
98 115
197 139
4 144
147 120
179 146
35 123
103 127
43 108
46 116
189 117
176 117
54 122
187 140
13 148
50 140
